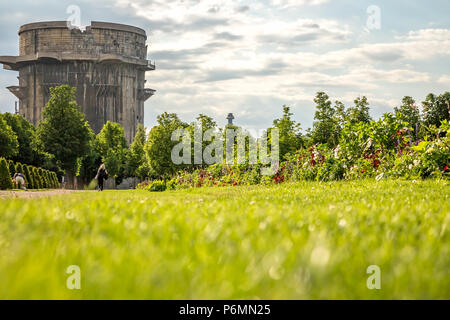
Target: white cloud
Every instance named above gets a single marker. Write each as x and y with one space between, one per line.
445 80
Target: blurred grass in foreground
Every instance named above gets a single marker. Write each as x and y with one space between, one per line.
291 241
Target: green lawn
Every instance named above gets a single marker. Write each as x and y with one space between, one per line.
291 241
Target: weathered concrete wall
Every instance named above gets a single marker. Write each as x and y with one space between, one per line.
106 64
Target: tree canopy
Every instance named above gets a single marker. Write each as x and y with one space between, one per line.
159 145
9 145
112 148
64 131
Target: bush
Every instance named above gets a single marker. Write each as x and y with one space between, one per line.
28 177
56 180
52 179
171 185
157 186
37 178
12 167
44 178
19 168
5 176
143 185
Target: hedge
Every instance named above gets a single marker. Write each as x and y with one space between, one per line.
5 176
36 178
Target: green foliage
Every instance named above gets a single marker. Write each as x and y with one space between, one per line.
409 113
436 109
112 147
54 180
159 145
19 168
137 165
27 171
325 127
290 139
157 186
64 131
44 183
5 176
360 112
9 146
12 167
25 132
37 179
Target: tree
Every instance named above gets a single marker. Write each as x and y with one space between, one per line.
408 112
136 160
360 112
25 133
159 145
203 124
290 138
112 147
436 109
64 131
325 129
5 176
9 145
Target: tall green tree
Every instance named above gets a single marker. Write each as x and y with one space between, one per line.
325 127
25 132
408 112
113 148
203 123
9 145
436 109
137 165
290 137
360 111
159 145
64 131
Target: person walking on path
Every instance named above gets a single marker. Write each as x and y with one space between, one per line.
102 175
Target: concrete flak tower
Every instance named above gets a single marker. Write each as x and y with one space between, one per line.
106 64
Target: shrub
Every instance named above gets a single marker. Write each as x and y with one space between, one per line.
19 168
12 167
157 186
171 184
26 172
44 179
143 185
52 179
5 176
37 178
56 180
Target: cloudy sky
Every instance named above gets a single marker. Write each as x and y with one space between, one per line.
251 57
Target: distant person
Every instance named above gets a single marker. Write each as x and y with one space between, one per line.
102 175
19 181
